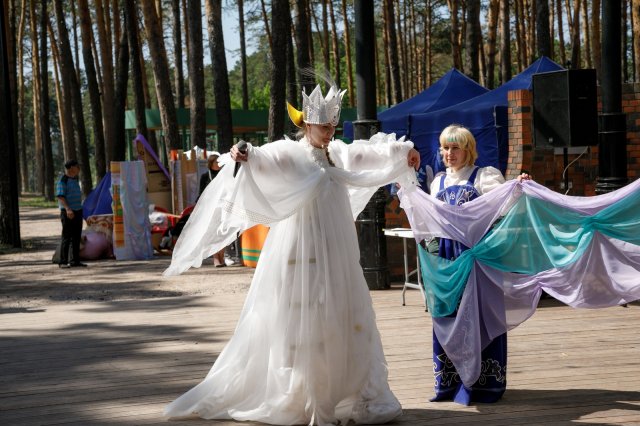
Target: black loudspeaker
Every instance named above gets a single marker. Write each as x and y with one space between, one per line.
565 108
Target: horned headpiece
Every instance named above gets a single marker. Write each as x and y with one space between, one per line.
317 109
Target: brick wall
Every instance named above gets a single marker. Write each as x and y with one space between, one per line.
546 165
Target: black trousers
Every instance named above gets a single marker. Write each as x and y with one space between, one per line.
71 234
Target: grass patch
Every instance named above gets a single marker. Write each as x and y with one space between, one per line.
36 201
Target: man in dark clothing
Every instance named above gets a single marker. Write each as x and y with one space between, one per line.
70 203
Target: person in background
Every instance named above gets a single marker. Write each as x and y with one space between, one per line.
212 171
70 202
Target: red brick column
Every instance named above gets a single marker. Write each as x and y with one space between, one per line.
522 155
631 107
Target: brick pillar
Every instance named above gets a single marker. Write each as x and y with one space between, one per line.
631 106
520 139
523 158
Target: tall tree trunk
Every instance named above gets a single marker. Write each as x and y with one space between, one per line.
162 79
428 57
563 54
635 5
131 24
58 89
9 193
543 34
11 25
186 27
108 88
122 79
149 101
292 84
519 26
265 18
588 55
325 36
73 91
552 28
531 31
595 36
243 56
492 31
279 11
24 169
393 53
505 42
335 45
76 45
66 108
633 50
143 68
387 55
220 75
177 47
323 46
625 41
92 83
401 43
456 54
35 92
197 111
347 46
45 127
310 15
302 44
414 51
116 36
574 22
96 55
474 36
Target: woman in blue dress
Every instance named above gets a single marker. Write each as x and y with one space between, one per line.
463 182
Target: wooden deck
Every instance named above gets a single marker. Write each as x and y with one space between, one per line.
119 363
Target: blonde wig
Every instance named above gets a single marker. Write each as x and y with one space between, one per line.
462 136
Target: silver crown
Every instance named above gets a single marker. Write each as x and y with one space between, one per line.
322 110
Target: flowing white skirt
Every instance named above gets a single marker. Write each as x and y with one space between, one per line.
306 349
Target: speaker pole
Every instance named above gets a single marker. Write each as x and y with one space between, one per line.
612 164
370 223
565 161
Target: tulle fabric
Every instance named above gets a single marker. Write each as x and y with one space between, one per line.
306 349
582 251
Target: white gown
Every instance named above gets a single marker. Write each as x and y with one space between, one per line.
306 349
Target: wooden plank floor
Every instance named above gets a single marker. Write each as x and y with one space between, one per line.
119 363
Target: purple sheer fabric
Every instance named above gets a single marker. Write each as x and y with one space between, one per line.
495 301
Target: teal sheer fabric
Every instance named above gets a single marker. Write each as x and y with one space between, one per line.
535 235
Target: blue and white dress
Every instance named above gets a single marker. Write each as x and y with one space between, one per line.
457 188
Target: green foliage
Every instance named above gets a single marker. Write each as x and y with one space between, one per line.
36 201
258 81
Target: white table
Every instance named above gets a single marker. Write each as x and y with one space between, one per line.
405 234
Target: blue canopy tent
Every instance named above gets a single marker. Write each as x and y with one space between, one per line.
99 200
485 116
452 88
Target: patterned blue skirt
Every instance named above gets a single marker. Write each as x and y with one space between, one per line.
490 385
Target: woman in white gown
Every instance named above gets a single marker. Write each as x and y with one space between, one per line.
306 349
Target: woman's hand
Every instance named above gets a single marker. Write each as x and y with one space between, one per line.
237 155
413 159
523 176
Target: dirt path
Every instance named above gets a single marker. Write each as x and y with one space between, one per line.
29 279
